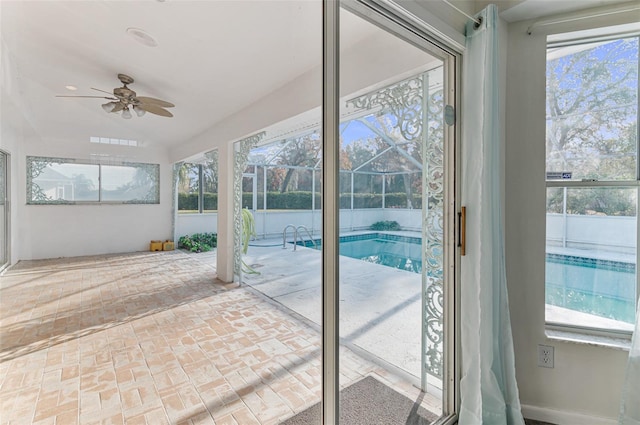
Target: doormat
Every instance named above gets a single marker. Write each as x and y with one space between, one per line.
368 402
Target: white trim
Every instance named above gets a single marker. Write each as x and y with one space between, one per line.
563 417
409 16
579 15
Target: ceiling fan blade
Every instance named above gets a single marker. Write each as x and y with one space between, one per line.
103 91
94 97
155 109
153 101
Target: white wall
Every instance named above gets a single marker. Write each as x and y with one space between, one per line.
51 231
188 224
602 233
586 379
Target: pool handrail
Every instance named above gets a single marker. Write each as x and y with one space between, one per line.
308 234
284 236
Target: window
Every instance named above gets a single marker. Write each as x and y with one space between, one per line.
68 181
111 141
592 184
198 186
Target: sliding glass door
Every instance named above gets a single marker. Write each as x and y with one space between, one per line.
395 289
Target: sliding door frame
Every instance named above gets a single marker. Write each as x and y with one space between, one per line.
396 20
7 209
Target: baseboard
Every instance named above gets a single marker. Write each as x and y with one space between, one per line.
563 417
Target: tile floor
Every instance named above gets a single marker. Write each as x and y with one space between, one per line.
150 338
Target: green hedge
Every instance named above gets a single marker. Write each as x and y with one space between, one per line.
300 201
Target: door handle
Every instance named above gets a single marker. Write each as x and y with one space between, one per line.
462 227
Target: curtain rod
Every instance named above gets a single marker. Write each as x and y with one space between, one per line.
476 20
571 17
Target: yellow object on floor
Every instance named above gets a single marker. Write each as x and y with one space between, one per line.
155 246
168 246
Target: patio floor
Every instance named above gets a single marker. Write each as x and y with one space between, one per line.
149 338
380 306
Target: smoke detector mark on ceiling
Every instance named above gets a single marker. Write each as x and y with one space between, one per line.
142 37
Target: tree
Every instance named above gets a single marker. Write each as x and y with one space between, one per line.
303 151
83 187
592 123
187 177
591 105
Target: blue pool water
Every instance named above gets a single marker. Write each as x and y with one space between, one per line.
599 287
400 252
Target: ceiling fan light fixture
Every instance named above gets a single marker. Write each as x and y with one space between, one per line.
108 107
138 110
126 114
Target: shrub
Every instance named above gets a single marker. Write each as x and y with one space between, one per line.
301 200
198 242
385 225
189 201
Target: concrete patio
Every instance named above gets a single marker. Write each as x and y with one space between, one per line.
380 307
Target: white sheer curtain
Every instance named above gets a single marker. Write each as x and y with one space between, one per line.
489 393
630 406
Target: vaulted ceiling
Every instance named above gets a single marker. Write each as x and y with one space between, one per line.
212 59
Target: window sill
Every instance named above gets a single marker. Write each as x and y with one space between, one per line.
620 343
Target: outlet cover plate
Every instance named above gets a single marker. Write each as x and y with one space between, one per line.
545 355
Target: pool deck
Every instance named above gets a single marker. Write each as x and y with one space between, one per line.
380 306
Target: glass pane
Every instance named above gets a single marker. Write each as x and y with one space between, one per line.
592 110
282 353
52 182
130 183
247 193
188 188
210 183
591 257
391 274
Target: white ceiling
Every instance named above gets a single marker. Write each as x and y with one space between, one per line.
213 58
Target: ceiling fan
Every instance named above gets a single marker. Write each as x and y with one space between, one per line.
124 99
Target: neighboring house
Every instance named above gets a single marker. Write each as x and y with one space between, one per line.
54 185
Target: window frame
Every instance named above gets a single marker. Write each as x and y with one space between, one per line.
564 40
200 192
152 169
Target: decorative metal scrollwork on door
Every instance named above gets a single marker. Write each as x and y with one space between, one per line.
415 110
240 159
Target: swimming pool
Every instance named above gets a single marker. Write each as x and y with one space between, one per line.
598 287
400 252
602 288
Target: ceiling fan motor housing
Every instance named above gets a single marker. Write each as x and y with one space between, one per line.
124 93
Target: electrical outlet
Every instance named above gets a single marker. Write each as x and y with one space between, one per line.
545 356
